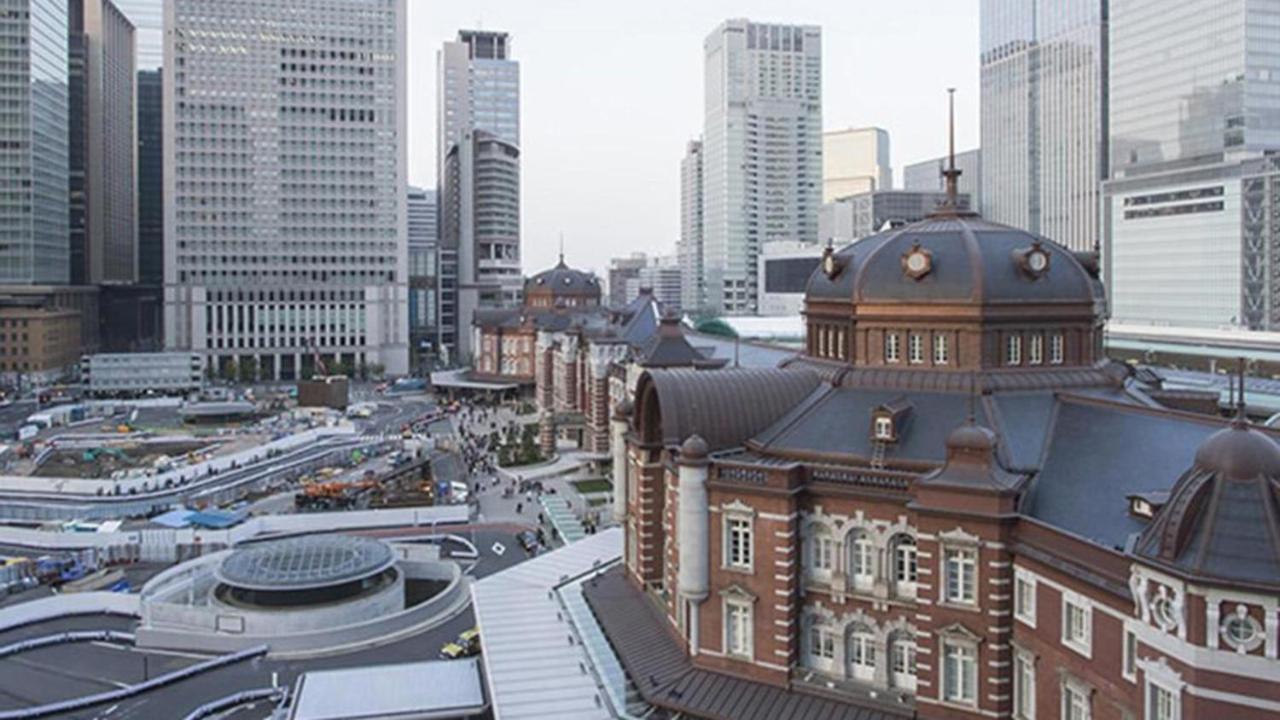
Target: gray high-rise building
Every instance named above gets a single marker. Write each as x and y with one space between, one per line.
927 175
762 151
857 216
622 270
103 154
285 184
477 124
855 160
424 233
1044 116
150 177
147 17
689 247
1190 210
34 167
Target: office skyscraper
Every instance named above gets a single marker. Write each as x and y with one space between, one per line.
477 123
762 151
150 177
1195 104
103 157
147 17
34 168
855 161
424 233
689 249
926 175
1044 117
285 218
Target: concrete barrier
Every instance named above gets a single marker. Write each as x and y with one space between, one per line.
61 606
66 637
231 701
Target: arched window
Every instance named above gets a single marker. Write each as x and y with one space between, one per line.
902 661
862 563
905 566
861 652
820 647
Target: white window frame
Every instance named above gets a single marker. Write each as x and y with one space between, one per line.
1024 685
903 655
822 550
1150 703
1013 350
733 524
1024 604
884 428
822 643
1035 351
862 646
965 556
1084 643
906 555
860 542
892 349
968 683
738 610
1057 348
1072 691
1129 656
915 348
941 350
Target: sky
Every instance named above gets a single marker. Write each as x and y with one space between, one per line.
611 92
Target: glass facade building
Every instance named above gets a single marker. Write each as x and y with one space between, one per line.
147 17
34 153
423 274
1044 116
1191 238
150 177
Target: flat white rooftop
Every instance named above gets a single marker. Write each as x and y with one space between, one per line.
405 691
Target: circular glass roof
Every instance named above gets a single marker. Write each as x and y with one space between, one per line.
303 563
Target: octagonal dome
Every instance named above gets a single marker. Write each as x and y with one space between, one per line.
563 280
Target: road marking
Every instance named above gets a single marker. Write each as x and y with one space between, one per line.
498 549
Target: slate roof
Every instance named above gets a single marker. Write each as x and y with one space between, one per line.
973 260
668 347
564 280
664 675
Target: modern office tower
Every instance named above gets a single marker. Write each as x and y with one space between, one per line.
103 154
478 96
785 269
1195 105
1044 116
858 216
622 270
689 248
762 151
927 175
34 165
855 161
285 218
150 105
662 275
424 236
147 17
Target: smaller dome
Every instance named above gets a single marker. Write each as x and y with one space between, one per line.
972 437
1239 452
694 450
624 409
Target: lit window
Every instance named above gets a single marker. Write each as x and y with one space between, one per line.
1013 350
738 542
1076 620
1056 349
1024 687
1024 599
862 559
1075 703
961 580
941 353
1035 354
737 628
915 349
960 673
891 348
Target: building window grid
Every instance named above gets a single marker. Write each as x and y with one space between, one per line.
737 628
891 348
960 581
1035 352
1057 349
1024 686
959 673
738 543
1075 702
941 351
1162 703
1024 599
1013 350
1077 623
915 349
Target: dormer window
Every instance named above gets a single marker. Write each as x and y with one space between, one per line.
884 429
1141 508
892 351
1013 350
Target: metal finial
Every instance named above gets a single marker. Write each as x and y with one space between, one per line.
1240 365
951 173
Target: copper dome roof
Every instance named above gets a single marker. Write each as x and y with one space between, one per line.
969 260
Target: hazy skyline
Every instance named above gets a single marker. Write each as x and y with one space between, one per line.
610 94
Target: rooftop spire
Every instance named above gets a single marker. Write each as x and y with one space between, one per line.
562 251
951 173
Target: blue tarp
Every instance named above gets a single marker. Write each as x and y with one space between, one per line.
174 518
215 519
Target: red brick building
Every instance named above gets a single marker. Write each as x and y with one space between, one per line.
953 505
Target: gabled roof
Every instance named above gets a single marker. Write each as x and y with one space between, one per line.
668 347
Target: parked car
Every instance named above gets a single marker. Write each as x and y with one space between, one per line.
467 645
528 540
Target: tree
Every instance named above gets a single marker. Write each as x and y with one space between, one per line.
228 372
716 326
247 370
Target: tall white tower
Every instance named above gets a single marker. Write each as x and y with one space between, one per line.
478 111
762 151
285 191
